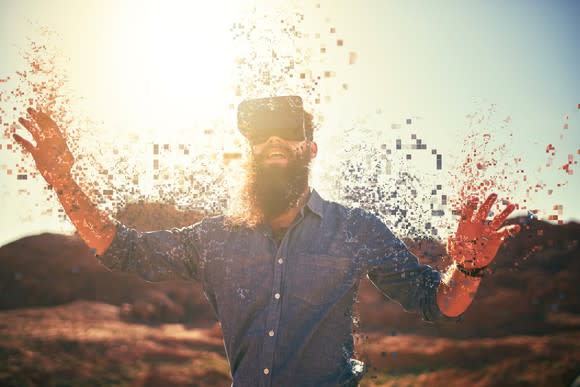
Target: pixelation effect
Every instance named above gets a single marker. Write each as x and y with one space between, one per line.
489 164
289 54
393 167
117 171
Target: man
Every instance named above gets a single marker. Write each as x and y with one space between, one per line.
281 273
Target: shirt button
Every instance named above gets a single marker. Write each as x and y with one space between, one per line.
277 296
271 333
280 261
266 371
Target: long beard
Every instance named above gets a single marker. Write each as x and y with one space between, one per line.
271 190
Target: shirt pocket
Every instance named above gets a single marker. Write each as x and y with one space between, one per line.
321 279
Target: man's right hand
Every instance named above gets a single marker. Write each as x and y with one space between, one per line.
51 154
54 161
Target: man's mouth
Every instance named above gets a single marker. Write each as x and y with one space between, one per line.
276 154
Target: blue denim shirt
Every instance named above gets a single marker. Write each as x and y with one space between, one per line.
285 309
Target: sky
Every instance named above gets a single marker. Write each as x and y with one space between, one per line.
143 73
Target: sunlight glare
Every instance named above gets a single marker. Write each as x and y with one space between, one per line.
169 64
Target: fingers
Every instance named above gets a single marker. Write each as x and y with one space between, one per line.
41 118
469 207
499 219
41 126
508 231
31 127
24 143
485 208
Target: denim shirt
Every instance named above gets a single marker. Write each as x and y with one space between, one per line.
285 309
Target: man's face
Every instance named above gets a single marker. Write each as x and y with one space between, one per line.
280 175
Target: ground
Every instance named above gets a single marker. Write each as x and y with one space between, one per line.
87 343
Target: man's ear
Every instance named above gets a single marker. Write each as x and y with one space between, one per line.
313 149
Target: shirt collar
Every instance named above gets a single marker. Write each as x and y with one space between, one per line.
315 203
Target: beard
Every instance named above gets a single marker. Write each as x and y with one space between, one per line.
272 189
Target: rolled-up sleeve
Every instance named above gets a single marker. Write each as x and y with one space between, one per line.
155 255
411 284
395 271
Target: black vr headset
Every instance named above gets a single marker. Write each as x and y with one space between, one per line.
259 119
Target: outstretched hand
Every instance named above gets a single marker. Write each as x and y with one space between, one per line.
51 153
478 239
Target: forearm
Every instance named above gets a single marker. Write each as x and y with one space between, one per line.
95 227
456 292
54 161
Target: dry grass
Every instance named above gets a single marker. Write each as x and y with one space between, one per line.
87 344
550 360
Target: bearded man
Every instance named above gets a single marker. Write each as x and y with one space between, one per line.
281 273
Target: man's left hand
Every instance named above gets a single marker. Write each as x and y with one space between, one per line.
478 239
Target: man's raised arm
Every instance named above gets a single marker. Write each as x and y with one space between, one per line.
54 162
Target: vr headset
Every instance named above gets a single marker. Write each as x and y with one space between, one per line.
259 119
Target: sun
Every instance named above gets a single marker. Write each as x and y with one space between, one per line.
162 65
